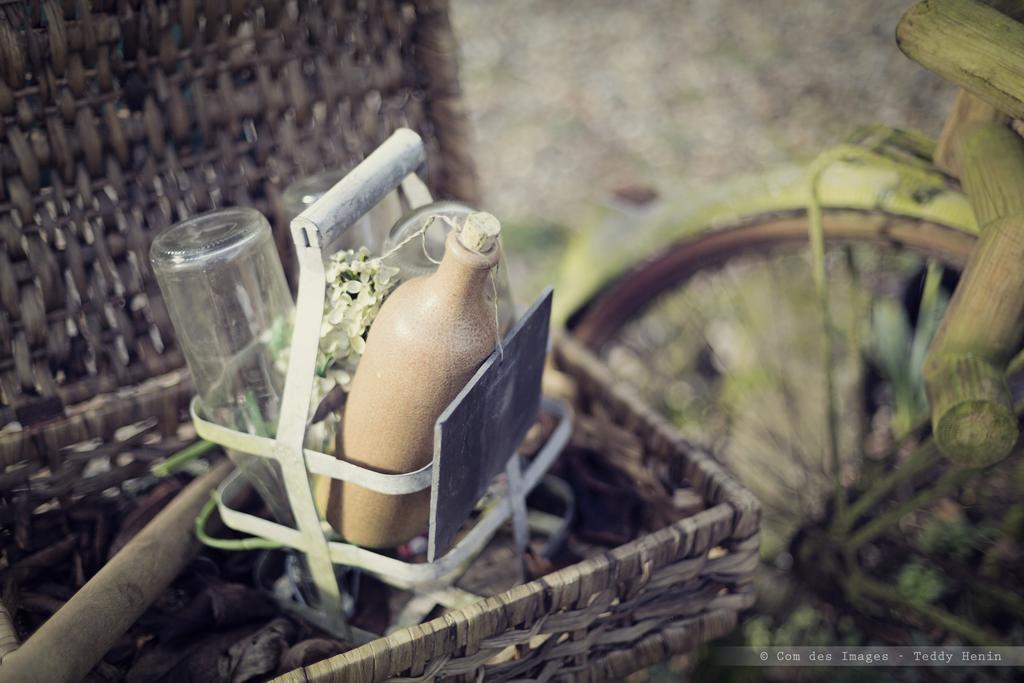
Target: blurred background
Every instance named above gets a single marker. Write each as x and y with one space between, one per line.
572 100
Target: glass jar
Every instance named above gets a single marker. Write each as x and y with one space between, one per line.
415 254
369 231
226 293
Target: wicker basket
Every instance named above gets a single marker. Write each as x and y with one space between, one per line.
122 119
119 119
661 594
118 122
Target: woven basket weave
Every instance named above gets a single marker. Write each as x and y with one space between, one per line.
662 594
120 121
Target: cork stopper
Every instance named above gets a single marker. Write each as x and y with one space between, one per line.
479 232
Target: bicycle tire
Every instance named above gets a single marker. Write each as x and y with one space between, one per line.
630 294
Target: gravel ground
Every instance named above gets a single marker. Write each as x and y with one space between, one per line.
572 99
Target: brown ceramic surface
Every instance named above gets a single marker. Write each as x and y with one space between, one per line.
429 338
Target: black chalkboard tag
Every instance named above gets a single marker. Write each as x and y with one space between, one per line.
482 427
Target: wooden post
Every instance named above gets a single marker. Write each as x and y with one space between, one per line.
972 411
974 45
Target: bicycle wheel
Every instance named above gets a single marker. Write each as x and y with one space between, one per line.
721 331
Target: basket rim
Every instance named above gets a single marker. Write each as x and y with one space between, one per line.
734 517
472 625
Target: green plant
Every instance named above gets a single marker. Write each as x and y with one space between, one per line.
920 583
900 348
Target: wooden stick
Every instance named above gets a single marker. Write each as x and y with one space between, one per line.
74 639
8 634
972 411
971 44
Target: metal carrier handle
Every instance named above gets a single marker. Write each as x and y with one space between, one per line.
326 219
315 231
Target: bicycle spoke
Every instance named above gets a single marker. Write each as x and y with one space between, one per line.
817 246
878 525
789 393
924 456
861 297
858 584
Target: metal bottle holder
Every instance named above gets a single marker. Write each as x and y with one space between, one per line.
475 438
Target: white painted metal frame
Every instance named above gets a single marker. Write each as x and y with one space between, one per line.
407 574
392 165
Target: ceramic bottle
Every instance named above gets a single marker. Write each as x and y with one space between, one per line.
417 241
429 338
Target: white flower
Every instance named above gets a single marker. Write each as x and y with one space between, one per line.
356 286
335 315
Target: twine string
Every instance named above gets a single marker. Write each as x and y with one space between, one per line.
422 234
